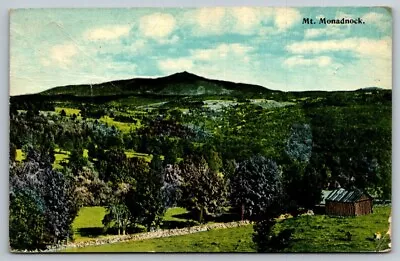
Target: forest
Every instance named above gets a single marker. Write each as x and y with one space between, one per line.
258 155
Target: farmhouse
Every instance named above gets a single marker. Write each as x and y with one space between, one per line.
341 202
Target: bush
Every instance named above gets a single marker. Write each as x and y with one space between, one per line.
267 241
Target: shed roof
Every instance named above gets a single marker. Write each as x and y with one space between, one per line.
325 194
342 195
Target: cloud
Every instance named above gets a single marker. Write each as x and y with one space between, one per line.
107 33
361 46
249 19
239 20
62 54
171 40
175 65
286 18
381 21
221 51
206 21
333 30
226 61
233 58
157 26
299 60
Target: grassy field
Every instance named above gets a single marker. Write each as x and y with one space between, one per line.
124 127
317 233
133 154
61 156
68 111
321 233
88 223
172 214
218 240
20 155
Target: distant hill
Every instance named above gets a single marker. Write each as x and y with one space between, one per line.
183 83
372 88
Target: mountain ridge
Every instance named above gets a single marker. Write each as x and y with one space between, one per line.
180 83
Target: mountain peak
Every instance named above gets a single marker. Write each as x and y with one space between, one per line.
184 75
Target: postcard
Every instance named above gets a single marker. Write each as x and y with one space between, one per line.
218 129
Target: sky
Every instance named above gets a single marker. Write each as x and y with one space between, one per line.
265 46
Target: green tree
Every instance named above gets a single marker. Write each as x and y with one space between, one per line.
145 202
112 166
13 151
256 187
76 160
89 189
267 241
302 182
204 191
26 220
42 205
118 214
63 113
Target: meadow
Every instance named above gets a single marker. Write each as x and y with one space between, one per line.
319 233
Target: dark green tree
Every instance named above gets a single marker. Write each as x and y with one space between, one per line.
145 202
26 220
267 241
42 206
256 187
63 113
13 151
204 191
112 166
302 182
76 160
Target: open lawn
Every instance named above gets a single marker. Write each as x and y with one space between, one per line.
175 214
319 233
68 111
218 240
88 223
124 127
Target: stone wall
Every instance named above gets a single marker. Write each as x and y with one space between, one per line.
148 235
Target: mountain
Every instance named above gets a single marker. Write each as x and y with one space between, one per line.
372 88
183 83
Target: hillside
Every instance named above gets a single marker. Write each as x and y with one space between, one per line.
182 83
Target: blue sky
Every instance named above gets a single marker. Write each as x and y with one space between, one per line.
266 46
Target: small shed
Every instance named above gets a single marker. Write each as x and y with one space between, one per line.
320 207
342 202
